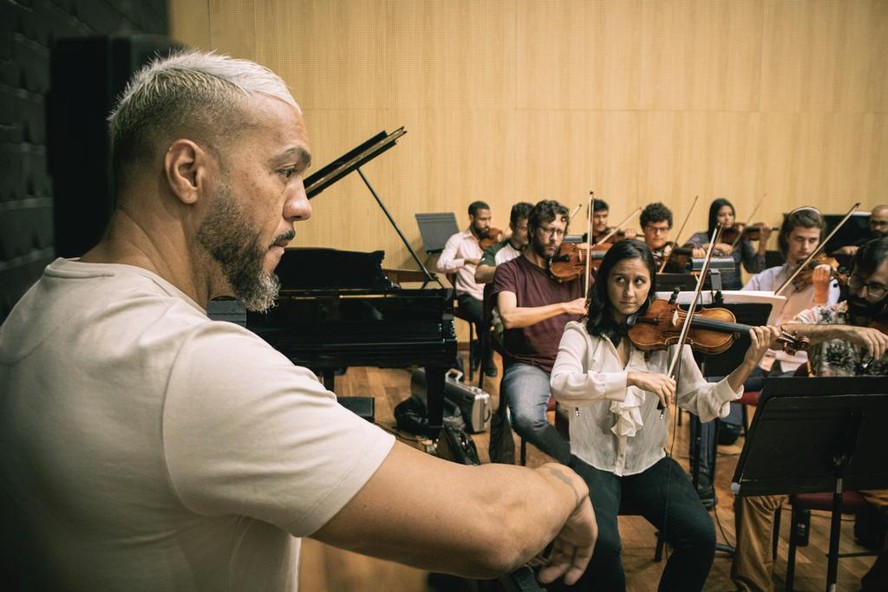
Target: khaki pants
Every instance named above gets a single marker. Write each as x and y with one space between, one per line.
754 521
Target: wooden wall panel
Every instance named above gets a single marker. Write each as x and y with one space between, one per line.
700 54
508 100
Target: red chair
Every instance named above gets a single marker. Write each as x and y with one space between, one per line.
802 504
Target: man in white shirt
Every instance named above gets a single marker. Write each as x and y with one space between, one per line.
144 446
460 259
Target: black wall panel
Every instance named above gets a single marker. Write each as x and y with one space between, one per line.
29 32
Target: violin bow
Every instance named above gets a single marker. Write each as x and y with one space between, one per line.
678 234
748 220
686 326
816 251
617 228
575 210
590 210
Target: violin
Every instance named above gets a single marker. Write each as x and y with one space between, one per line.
806 275
738 232
713 330
569 262
494 235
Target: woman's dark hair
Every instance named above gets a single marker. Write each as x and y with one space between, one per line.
599 320
869 257
717 204
805 217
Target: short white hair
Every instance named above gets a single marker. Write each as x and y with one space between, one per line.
188 91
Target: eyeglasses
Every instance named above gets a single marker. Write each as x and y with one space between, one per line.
657 229
856 283
551 231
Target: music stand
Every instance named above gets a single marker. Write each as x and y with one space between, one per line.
781 457
435 229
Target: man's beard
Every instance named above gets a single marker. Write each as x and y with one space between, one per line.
863 311
236 247
540 250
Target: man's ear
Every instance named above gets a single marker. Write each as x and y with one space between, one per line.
185 168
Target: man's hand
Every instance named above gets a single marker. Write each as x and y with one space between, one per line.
573 546
576 307
874 341
698 253
724 249
820 278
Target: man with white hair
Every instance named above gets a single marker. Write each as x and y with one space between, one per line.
144 446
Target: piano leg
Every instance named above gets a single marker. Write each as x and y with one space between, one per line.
435 376
329 379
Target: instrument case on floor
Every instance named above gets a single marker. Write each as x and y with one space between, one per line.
473 403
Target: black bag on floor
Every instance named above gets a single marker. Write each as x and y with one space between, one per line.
412 416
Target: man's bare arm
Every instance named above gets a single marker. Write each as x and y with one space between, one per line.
484 273
515 316
874 341
475 521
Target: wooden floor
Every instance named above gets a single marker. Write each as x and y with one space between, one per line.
326 569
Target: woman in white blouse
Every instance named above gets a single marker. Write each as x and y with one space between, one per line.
617 433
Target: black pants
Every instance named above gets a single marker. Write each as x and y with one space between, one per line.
664 495
472 310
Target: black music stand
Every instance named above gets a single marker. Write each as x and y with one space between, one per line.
814 435
435 229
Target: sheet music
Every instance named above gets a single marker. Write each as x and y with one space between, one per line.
736 297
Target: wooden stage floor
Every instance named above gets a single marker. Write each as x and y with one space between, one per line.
326 569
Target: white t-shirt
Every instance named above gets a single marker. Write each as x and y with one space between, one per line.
796 301
146 447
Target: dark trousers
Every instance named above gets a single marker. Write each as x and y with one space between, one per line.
665 497
472 310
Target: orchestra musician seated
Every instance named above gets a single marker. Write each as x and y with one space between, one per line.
508 248
656 222
847 339
534 307
734 243
460 256
878 227
618 434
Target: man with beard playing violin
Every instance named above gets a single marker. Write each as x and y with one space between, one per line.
534 307
847 339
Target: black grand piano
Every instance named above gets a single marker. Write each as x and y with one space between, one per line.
339 308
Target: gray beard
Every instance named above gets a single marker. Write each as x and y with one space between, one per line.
235 246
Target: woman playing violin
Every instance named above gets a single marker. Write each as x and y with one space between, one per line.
735 243
617 439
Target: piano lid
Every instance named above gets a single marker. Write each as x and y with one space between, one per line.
320 268
351 160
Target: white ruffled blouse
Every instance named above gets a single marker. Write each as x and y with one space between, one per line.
616 427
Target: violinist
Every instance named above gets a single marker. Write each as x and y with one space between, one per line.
534 307
721 211
656 222
878 226
600 229
799 237
507 249
848 339
462 253
616 437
